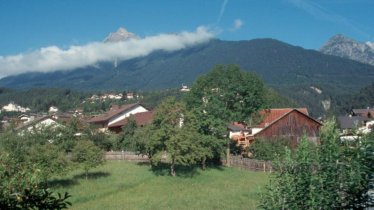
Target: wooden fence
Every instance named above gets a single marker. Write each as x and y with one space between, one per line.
129 156
250 164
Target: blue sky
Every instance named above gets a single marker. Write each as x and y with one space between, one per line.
27 26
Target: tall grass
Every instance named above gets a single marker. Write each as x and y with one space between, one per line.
125 185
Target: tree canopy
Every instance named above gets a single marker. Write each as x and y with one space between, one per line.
225 95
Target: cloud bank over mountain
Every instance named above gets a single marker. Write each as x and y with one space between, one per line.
53 58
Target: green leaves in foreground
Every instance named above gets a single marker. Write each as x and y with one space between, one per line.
21 187
335 175
35 199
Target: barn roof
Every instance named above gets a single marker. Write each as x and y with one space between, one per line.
271 115
302 111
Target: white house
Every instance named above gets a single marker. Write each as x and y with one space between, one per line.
12 107
185 88
53 109
116 114
38 124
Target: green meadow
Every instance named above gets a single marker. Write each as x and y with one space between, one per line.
127 185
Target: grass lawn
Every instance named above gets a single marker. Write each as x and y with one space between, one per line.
126 185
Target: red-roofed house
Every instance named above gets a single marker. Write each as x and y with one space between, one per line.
116 114
286 123
141 119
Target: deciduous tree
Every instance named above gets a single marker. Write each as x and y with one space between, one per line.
224 95
87 155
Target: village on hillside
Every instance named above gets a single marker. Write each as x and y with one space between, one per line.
290 122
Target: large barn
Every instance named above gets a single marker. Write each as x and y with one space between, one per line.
288 123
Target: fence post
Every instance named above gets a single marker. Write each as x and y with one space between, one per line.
264 166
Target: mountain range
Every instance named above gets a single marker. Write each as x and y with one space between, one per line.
278 63
294 71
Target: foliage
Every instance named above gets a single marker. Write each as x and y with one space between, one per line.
21 185
274 99
335 176
49 160
151 99
363 99
228 94
99 106
126 141
146 143
87 155
64 136
34 148
100 139
225 95
174 134
269 149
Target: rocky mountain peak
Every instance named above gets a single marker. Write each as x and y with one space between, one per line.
370 44
342 46
120 35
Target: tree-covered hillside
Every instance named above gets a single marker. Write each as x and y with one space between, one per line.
276 62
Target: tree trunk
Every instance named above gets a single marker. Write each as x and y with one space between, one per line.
203 164
150 159
86 174
172 167
228 153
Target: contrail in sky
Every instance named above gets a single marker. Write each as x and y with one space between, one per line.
322 13
223 7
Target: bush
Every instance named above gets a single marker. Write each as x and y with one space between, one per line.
21 188
269 149
334 175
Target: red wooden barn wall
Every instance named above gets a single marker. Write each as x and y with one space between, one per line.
293 126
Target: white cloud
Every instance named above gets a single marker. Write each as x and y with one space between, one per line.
237 25
53 58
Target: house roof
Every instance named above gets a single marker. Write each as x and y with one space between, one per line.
237 127
271 115
349 122
141 118
357 111
114 111
363 112
34 122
